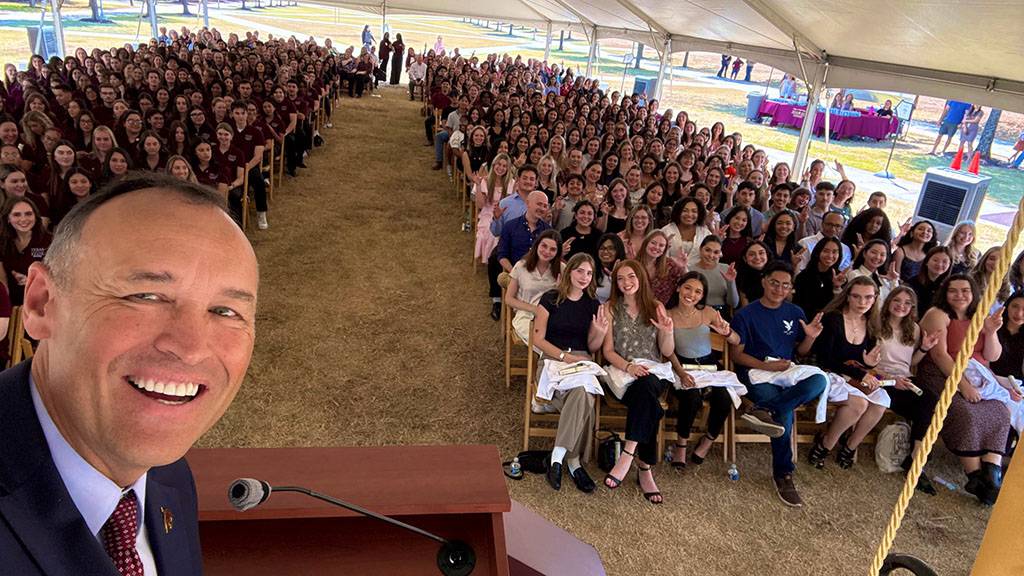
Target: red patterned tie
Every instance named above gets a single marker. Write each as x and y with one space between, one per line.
119 535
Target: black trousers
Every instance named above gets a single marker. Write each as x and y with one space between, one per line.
644 414
493 270
690 402
292 151
428 126
916 409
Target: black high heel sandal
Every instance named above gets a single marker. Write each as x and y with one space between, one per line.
648 495
845 456
698 460
679 464
818 453
616 482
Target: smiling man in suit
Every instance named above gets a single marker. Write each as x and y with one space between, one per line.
144 310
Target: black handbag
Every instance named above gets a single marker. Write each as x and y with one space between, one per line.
609 450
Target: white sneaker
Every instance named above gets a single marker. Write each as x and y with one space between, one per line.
261 221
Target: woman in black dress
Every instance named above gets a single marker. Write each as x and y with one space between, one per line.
818 283
398 47
384 52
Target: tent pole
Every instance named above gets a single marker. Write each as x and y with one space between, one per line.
154 29
665 51
206 14
814 92
58 26
593 50
547 43
383 17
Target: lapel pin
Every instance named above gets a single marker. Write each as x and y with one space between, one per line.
168 520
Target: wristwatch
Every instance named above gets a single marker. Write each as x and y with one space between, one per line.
561 355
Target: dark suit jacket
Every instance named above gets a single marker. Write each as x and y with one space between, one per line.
41 530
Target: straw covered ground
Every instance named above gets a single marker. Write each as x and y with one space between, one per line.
374 330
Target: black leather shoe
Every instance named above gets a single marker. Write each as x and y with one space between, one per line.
496 311
554 475
584 483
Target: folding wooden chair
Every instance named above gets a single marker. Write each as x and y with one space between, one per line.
19 347
280 166
437 121
512 341
267 167
245 201
668 428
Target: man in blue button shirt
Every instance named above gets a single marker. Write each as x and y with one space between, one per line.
518 235
508 209
952 116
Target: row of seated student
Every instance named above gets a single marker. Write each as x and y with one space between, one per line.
631 231
199 107
200 102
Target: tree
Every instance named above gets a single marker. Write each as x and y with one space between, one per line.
96 6
639 55
988 133
184 8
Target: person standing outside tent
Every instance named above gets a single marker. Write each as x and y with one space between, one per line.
952 116
725 66
384 54
736 67
969 127
367 38
750 68
396 66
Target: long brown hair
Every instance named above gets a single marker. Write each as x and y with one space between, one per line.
645 301
533 257
842 299
908 325
565 280
981 275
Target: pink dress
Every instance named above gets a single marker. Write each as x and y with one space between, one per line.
485 241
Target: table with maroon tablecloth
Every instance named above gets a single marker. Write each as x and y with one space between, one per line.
866 125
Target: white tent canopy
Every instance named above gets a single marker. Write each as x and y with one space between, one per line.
971 50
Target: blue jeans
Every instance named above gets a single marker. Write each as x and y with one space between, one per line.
782 402
439 141
1016 163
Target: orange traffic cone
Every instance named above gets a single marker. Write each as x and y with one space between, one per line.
975 161
958 159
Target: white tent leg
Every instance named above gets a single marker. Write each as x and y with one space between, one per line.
814 92
206 14
154 29
593 50
666 52
547 43
58 26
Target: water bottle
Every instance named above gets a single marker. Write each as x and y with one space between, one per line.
734 472
944 483
515 469
668 455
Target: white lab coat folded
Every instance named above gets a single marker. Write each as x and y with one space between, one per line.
982 378
584 375
717 379
619 380
790 377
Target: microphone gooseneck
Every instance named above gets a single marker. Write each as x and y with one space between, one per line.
455 557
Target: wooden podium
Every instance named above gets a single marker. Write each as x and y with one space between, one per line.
457 492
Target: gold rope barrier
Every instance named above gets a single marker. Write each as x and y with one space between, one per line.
946 398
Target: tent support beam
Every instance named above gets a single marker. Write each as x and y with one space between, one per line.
666 56
593 50
651 22
58 26
776 19
807 128
547 43
206 14
154 29
583 19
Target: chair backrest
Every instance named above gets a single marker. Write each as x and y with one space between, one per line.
15 337
720 344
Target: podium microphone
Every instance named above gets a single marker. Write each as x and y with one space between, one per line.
454 558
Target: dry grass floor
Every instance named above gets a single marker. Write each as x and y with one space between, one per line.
373 330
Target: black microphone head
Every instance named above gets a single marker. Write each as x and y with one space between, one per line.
246 493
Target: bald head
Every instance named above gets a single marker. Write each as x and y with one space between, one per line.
536 205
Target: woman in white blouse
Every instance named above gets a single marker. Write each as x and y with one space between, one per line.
686 230
532 276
